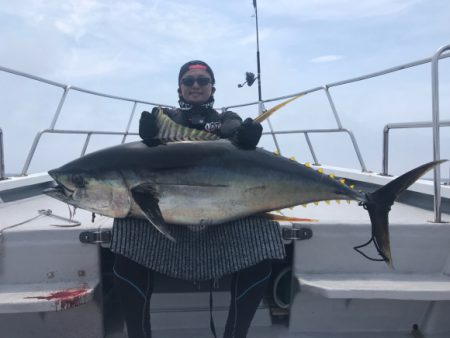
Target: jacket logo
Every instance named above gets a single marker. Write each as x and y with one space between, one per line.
212 126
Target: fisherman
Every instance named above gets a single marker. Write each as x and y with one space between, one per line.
244 248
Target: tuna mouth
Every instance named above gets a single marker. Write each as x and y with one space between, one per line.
52 174
60 180
59 192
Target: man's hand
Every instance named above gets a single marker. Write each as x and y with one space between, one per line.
248 134
147 125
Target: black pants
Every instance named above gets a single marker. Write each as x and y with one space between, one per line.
134 284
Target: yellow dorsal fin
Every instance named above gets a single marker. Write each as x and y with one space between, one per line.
168 130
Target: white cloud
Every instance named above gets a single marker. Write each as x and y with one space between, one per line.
326 58
335 9
250 39
99 37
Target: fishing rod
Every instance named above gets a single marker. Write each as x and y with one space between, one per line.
250 78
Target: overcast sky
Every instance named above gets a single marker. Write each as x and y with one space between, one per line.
135 49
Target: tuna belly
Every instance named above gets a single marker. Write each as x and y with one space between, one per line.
201 204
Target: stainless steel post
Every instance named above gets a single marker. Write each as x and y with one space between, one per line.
2 157
404 125
31 153
261 110
86 143
385 149
60 105
311 149
436 138
358 152
129 122
333 107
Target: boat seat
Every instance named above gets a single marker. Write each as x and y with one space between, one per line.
399 286
47 297
335 289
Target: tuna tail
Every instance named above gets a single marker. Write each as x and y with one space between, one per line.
379 203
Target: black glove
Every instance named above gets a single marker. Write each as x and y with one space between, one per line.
147 125
248 134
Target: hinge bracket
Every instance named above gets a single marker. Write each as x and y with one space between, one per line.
95 237
297 234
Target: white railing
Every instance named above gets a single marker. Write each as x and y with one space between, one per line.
325 88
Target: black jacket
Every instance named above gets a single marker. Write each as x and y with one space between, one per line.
225 125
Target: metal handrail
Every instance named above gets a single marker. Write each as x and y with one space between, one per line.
343 82
436 139
306 132
79 89
88 134
405 125
326 88
2 157
66 89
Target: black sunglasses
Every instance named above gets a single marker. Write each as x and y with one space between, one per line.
189 81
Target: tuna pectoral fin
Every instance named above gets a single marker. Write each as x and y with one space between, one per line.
149 206
379 203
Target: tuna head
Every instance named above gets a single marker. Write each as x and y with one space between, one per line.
104 193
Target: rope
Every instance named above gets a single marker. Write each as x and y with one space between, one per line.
21 223
41 213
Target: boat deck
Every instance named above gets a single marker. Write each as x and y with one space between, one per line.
369 300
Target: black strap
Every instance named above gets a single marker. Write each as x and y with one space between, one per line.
211 321
383 259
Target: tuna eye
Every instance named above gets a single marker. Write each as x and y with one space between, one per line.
79 181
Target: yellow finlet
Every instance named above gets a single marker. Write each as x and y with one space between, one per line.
338 201
327 202
304 205
320 171
307 165
342 180
292 158
352 186
348 201
331 176
316 203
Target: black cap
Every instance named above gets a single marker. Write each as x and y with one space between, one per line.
195 64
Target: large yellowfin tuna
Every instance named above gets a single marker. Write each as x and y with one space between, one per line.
185 179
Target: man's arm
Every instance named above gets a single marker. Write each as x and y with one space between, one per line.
245 134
